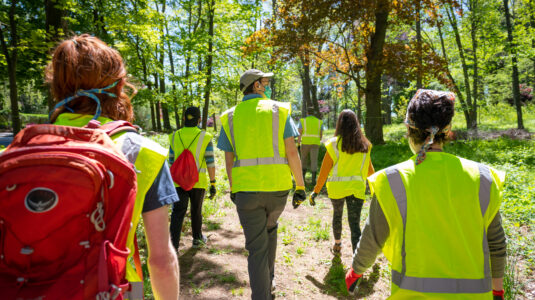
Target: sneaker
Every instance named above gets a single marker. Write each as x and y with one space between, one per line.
197 243
273 285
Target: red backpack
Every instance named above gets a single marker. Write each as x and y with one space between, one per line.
66 201
184 170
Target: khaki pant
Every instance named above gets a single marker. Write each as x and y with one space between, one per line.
258 213
309 157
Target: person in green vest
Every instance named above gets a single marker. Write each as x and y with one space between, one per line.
310 134
347 164
199 142
87 80
260 157
435 216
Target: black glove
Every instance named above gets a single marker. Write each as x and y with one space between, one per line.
312 198
299 196
212 191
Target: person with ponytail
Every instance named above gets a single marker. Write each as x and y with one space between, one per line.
435 216
345 167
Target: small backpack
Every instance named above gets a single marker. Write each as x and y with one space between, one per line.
66 201
184 170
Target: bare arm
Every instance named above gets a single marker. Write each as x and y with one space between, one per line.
229 161
371 170
162 259
326 167
211 173
293 160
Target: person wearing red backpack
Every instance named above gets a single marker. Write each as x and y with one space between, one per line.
87 80
199 143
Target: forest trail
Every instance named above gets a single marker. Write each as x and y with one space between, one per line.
305 268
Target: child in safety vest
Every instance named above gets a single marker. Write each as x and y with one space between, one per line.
347 163
86 79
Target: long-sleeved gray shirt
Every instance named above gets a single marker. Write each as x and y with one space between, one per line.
376 232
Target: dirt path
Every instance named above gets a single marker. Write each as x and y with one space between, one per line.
305 267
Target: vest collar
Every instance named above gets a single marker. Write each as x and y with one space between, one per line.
251 96
78 120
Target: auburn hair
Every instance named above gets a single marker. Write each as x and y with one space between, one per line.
85 62
348 130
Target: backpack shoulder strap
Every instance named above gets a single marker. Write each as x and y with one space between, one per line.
192 140
115 127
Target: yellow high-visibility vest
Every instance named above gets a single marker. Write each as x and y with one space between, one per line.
349 172
149 159
255 129
197 148
311 130
438 213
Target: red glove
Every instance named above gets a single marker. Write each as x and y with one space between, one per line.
497 295
352 280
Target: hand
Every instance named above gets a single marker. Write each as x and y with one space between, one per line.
312 198
299 196
352 281
497 295
212 191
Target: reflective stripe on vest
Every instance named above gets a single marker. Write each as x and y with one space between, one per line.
198 152
306 133
335 176
276 159
441 285
136 291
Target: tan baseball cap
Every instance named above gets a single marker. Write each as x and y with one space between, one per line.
252 75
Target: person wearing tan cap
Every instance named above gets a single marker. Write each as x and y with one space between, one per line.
260 155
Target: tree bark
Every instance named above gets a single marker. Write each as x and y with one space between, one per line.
471 123
55 28
374 69
209 60
419 47
452 80
164 104
473 33
157 108
11 59
515 80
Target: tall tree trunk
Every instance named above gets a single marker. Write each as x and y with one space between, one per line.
473 33
359 99
165 109
515 80
55 27
452 80
157 106
532 24
471 124
374 69
172 65
209 59
146 80
12 66
419 46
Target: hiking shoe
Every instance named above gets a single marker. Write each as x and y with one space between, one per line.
337 249
197 243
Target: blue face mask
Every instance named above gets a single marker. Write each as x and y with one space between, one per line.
267 91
